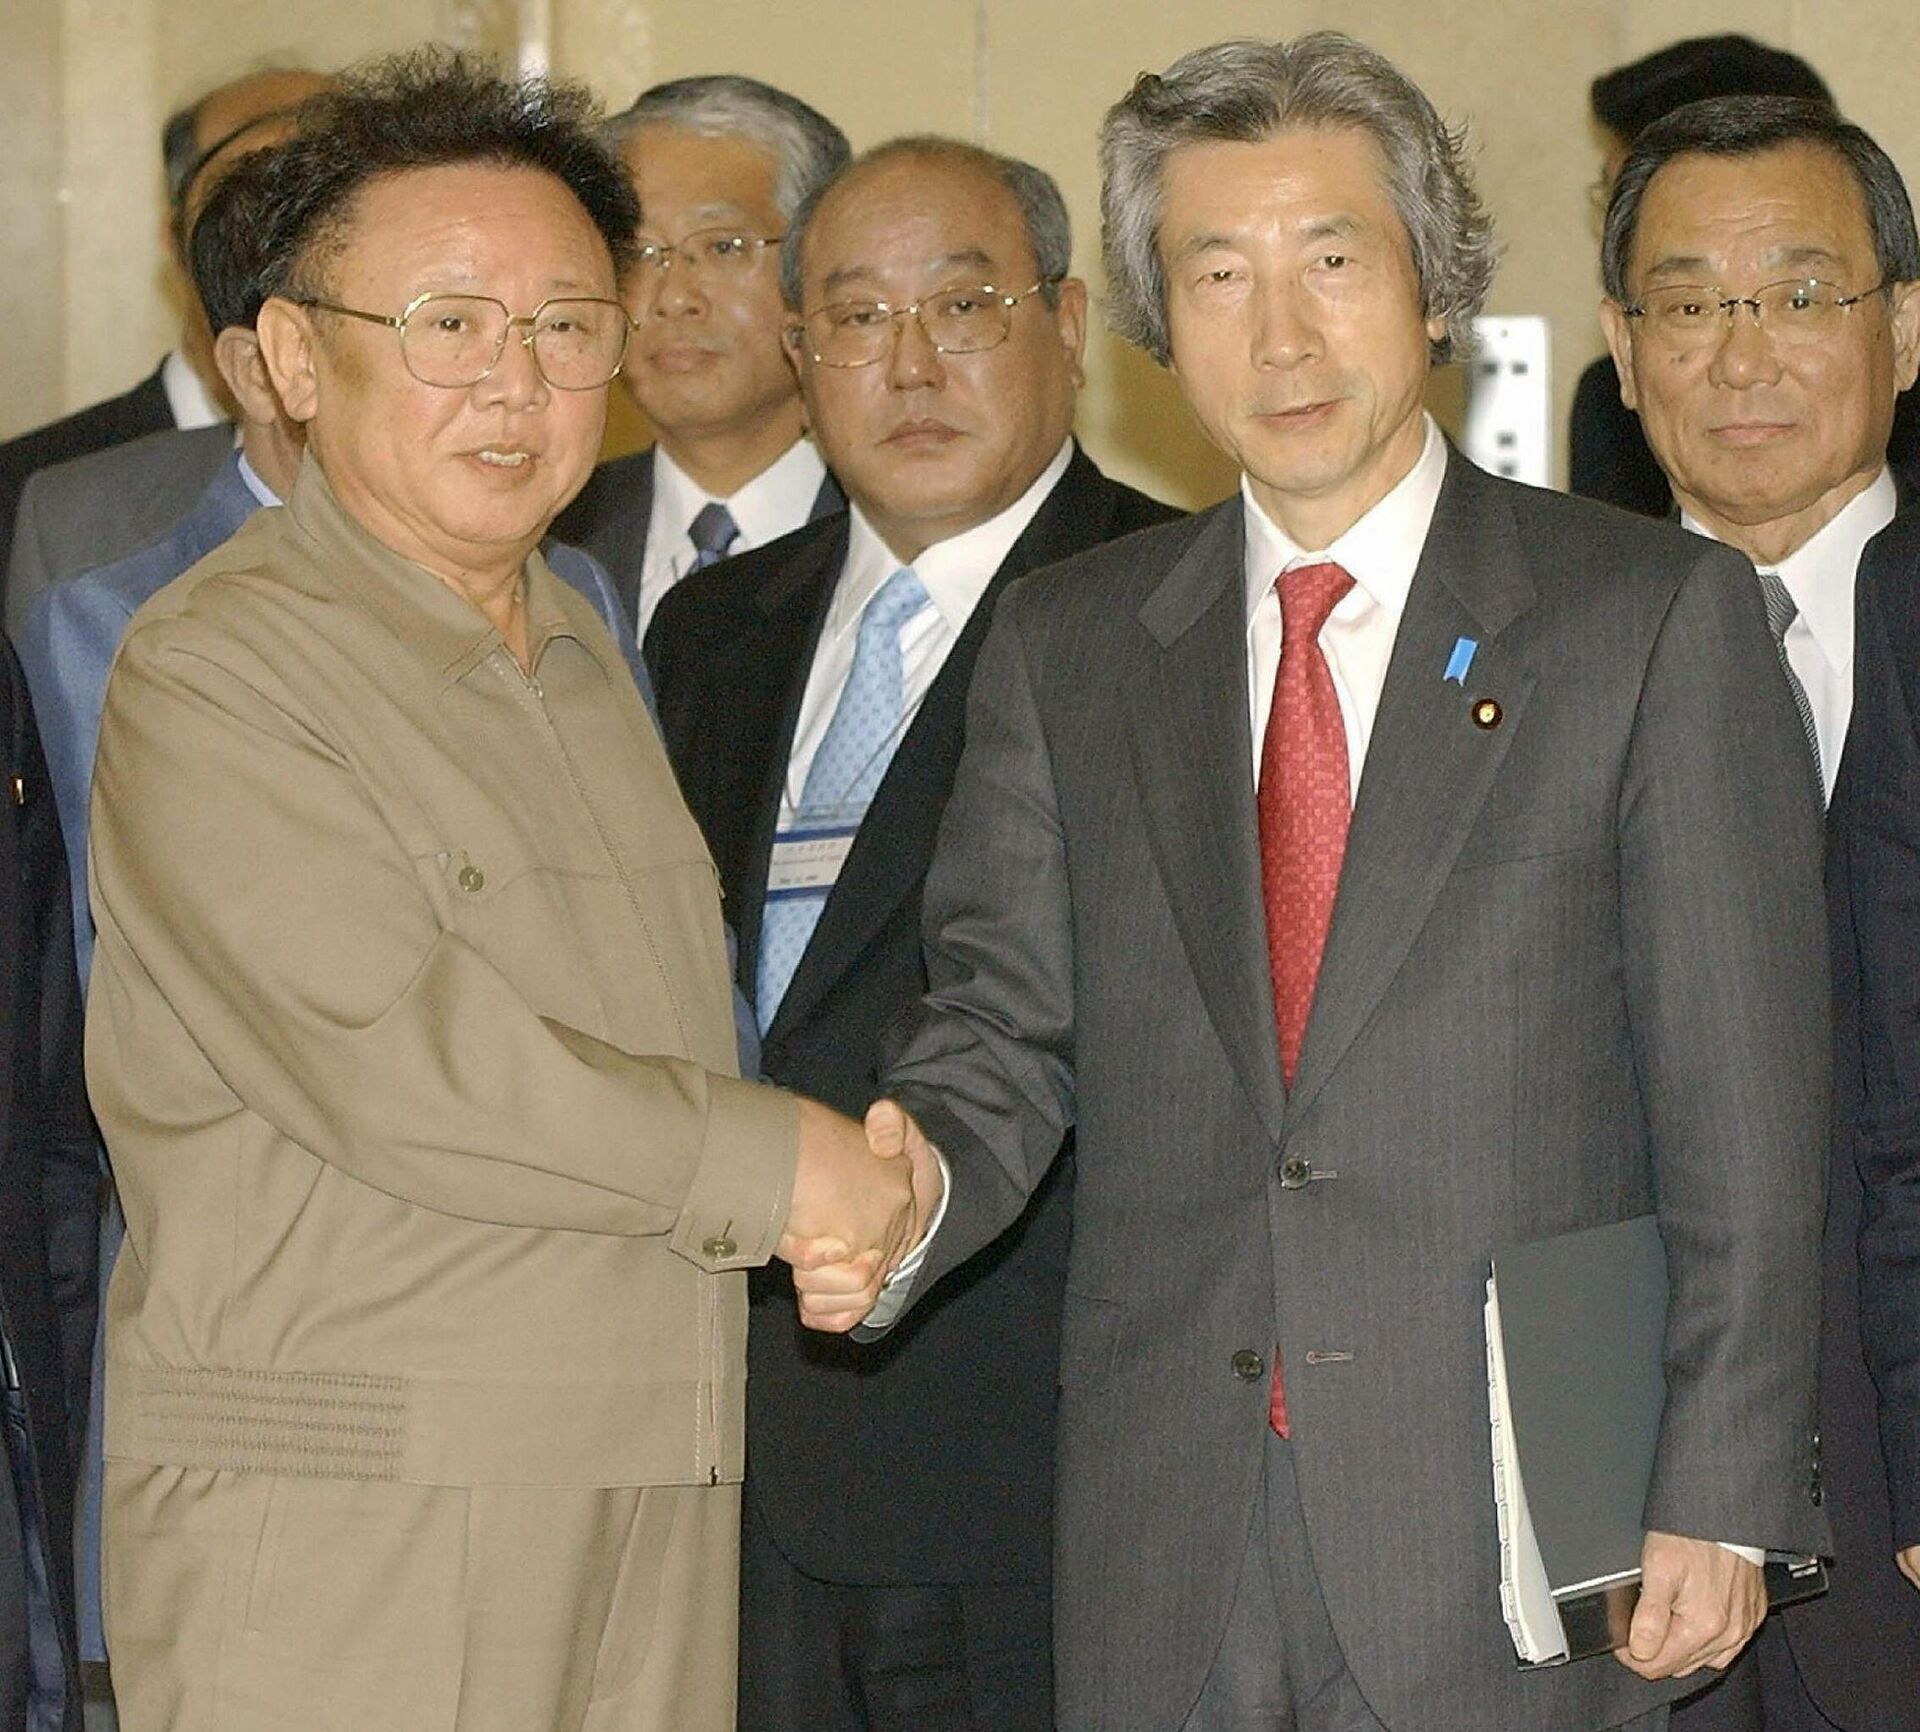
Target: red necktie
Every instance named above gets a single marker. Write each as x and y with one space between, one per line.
1305 801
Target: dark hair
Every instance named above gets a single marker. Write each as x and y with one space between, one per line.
806 147
227 248
179 152
1630 98
1036 194
1245 91
1746 126
431 108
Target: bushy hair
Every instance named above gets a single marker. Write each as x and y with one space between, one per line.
1245 91
431 108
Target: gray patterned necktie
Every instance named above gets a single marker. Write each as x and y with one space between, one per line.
1781 613
712 532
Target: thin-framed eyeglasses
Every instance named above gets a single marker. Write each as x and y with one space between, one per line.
1695 316
455 341
961 321
705 252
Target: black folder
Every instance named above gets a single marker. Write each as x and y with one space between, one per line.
1575 1333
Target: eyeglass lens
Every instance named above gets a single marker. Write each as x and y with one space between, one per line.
456 340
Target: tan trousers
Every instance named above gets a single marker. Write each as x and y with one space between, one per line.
246 1603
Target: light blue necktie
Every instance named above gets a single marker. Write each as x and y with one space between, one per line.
846 770
712 532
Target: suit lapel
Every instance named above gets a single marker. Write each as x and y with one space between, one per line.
782 619
1188 733
637 509
888 860
1429 764
828 500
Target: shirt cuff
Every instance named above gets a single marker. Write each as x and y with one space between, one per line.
897 1289
1753 1554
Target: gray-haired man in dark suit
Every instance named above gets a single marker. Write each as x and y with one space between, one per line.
1388 865
1765 358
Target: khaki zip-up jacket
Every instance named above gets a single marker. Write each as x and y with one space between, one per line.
410 1034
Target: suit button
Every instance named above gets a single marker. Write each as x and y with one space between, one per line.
720 1248
1294 1173
1248 1366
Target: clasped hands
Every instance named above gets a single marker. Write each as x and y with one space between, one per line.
862 1200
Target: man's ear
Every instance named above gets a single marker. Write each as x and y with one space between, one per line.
236 352
1903 309
1619 330
287 342
1070 314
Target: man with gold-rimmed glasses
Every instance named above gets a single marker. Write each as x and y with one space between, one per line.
936 331
412 1038
1763 305
720 164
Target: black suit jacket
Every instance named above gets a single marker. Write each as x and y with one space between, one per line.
50 1182
142 410
931 1457
1859 1650
608 517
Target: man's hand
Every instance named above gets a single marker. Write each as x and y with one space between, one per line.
1909 1562
837 1291
1698 1605
852 1212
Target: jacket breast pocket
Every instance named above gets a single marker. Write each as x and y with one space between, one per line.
1090 1331
1518 834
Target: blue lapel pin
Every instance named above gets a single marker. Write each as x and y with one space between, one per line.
1460 660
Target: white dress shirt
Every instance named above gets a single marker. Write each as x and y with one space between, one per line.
1379 553
1820 576
774 503
955 572
187 398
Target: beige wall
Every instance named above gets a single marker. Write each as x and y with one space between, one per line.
84 85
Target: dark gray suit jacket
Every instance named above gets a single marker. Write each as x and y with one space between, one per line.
1576 972
142 410
608 517
92 510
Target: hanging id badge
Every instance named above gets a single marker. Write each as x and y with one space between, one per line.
807 858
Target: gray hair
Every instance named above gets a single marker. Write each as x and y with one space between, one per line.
1736 126
806 147
1043 212
1245 91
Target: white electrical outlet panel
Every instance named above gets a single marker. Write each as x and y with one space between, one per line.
1509 425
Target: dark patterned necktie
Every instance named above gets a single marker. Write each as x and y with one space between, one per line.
712 532
1781 613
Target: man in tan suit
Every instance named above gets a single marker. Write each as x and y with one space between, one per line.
411 1032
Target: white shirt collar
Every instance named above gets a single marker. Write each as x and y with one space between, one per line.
1820 572
258 488
956 571
772 504
187 397
1380 552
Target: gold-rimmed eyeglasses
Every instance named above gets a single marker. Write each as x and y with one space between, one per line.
959 321
1695 316
455 341
716 252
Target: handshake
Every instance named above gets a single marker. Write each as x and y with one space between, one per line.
862 1200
